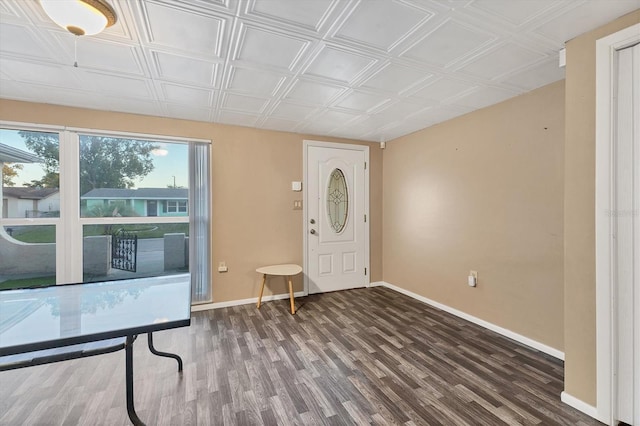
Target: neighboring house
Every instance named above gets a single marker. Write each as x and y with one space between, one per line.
144 201
20 201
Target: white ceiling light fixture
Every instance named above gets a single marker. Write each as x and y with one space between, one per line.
80 17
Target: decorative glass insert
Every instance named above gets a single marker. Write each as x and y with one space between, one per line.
337 200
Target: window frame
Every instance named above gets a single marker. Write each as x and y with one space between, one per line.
70 224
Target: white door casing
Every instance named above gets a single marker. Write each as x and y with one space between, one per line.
336 251
618 227
627 236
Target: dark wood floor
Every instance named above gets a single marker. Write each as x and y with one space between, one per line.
369 356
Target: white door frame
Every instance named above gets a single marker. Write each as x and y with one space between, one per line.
305 203
606 350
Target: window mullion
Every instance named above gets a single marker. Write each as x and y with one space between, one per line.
69 231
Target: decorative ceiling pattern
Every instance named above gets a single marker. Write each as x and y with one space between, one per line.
364 69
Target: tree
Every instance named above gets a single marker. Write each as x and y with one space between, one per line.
9 173
45 146
105 162
49 180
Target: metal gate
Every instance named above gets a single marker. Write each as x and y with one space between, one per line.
124 250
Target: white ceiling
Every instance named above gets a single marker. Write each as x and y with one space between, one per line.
363 69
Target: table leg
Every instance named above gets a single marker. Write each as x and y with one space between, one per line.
165 354
131 410
264 280
293 306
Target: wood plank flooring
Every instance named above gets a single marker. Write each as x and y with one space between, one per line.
367 356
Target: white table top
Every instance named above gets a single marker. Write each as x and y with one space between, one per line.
48 317
285 270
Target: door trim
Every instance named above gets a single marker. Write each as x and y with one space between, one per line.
305 203
606 351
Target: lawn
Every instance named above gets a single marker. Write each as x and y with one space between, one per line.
47 233
143 231
28 282
33 234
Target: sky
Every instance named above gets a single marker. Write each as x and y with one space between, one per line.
171 159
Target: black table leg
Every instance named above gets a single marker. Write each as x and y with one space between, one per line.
131 410
165 354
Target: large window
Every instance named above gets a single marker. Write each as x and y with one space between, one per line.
30 198
118 204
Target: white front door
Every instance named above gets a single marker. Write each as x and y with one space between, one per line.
336 227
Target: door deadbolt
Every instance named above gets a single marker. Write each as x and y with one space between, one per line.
312 221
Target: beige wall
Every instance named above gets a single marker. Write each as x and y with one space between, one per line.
483 192
254 222
579 221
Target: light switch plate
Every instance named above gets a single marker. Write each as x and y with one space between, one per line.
473 278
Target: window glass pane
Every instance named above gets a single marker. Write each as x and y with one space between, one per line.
337 200
113 252
122 177
28 256
29 164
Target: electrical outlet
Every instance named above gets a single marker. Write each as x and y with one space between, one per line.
222 267
297 204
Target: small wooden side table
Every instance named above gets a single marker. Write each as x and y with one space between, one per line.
287 271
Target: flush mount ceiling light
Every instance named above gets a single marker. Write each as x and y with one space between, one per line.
80 17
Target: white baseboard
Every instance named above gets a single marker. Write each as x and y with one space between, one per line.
253 300
500 330
376 284
579 405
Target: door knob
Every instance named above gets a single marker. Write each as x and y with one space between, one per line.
312 221
313 231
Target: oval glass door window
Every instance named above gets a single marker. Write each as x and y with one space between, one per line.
337 200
